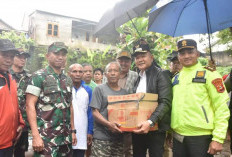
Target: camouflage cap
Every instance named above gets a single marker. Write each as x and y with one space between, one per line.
123 53
57 46
22 52
6 46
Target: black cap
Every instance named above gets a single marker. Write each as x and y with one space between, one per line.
6 46
57 46
22 52
173 56
186 44
141 48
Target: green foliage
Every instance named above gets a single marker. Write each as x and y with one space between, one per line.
160 45
19 39
224 70
97 58
225 37
36 61
203 61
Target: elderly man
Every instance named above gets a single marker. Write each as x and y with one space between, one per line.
11 120
22 77
126 81
199 109
49 108
107 138
151 80
83 120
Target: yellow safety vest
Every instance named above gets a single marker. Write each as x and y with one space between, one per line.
199 104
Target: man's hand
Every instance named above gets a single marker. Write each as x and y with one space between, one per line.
74 139
214 147
37 143
169 140
19 132
114 127
89 139
143 128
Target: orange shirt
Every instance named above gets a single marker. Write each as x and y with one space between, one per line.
10 116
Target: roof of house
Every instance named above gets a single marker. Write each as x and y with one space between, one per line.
7 25
54 14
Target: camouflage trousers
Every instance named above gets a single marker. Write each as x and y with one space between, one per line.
57 151
102 148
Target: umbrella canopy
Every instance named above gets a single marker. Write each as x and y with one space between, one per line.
183 17
122 12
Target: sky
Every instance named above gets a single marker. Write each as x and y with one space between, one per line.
14 11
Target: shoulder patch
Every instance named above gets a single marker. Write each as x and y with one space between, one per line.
219 85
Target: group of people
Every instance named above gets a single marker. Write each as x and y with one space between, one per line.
67 114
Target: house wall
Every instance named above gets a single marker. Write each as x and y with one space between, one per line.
4 26
38 28
71 31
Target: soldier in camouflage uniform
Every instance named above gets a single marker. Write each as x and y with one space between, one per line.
49 108
22 77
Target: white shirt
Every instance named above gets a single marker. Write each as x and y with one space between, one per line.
80 107
142 87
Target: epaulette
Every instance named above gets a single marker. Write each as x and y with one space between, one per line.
211 65
210 68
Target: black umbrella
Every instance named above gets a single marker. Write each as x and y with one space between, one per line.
122 12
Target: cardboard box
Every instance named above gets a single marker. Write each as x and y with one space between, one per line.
130 110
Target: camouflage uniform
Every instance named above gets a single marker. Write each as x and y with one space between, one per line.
52 108
102 148
22 80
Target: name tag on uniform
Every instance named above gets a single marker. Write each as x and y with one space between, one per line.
200 77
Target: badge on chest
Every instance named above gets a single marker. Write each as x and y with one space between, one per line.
200 77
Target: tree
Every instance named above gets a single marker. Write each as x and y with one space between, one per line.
161 45
225 37
22 41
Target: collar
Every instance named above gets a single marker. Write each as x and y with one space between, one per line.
82 83
192 67
4 73
52 72
142 74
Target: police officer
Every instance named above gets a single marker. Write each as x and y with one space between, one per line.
22 77
49 106
200 115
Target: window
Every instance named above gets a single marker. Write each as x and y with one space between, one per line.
53 29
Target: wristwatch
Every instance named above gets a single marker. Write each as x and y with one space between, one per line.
74 131
151 123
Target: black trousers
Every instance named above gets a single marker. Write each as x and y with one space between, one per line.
153 142
78 153
192 146
6 152
22 145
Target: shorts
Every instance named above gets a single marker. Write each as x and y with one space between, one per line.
102 148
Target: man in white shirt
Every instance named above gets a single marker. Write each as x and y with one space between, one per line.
83 120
